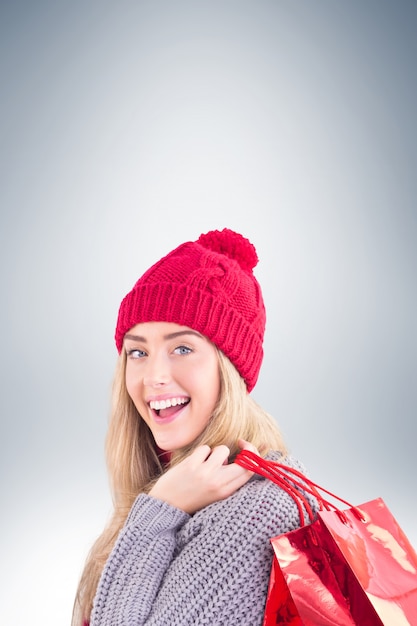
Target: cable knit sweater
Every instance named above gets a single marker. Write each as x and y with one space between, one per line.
172 569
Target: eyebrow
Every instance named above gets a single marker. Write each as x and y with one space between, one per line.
179 333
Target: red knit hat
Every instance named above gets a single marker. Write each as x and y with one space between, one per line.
209 286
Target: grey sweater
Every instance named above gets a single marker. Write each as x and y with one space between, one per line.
172 569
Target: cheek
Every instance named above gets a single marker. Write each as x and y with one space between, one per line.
216 389
128 381
214 378
212 385
131 382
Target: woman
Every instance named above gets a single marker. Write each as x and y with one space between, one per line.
188 542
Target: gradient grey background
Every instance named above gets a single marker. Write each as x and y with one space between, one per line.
130 127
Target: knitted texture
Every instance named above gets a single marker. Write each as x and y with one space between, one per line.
207 285
213 568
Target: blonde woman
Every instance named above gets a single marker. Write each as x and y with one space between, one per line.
188 543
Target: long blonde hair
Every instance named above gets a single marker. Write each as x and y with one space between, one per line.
133 463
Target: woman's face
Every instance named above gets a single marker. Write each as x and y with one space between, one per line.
172 376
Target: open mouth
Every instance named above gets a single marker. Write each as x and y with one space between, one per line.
169 406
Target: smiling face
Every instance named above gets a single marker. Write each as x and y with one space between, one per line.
172 377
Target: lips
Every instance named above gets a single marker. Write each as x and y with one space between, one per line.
168 407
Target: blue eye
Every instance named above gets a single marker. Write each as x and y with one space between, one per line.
135 353
182 350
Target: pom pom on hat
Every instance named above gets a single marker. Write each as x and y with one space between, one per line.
233 245
207 285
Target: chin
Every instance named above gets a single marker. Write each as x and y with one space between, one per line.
172 446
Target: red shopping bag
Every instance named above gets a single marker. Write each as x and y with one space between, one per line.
353 567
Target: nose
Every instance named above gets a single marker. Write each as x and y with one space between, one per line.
157 372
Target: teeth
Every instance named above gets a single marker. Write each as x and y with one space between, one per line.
157 405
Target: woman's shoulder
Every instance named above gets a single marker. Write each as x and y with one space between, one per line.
271 501
287 459
277 502
260 505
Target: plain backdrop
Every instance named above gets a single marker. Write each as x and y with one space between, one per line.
130 127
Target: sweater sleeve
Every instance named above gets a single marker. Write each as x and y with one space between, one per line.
134 570
212 568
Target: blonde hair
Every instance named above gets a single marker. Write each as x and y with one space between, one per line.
133 463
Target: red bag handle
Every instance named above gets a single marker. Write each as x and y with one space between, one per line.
295 483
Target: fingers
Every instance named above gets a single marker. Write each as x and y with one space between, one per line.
202 478
219 456
246 445
201 454
216 464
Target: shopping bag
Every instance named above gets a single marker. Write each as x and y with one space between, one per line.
350 567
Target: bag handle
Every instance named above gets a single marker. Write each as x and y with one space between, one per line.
296 484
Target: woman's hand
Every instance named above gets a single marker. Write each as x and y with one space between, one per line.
202 478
